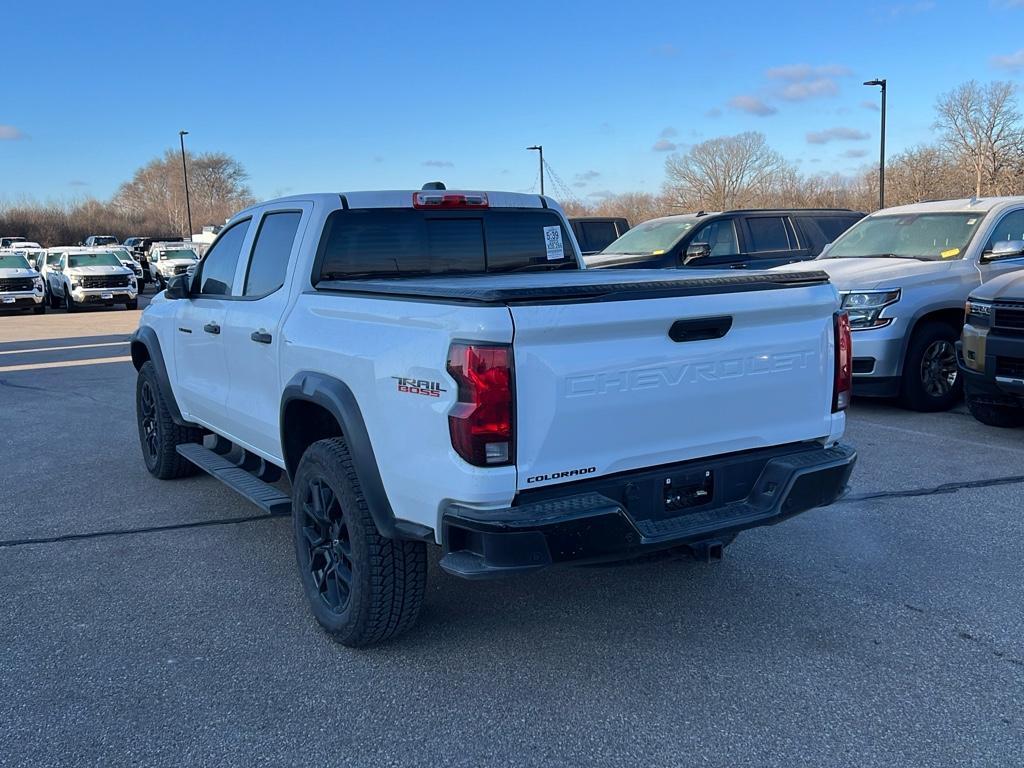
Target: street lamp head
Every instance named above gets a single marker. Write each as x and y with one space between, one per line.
183 133
536 147
875 82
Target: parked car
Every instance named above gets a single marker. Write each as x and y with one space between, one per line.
991 354
46 264
85 276
94 240
733 239
7 242
169 259
127 258
595 233
30 250
21 287
904 274
556 415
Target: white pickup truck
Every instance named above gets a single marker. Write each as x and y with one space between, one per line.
437 367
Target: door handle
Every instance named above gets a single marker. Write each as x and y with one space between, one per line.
212 328
700 329
261 337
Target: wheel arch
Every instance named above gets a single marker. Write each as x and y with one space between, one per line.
951 314
315 406
145 347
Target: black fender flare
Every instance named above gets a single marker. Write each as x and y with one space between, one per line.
336 397
146 346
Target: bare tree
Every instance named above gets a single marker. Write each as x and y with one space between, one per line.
981 124
726 172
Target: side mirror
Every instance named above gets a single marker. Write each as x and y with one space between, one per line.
1005 249
177 287
696 251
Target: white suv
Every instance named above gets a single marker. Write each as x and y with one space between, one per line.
86 276
20 285
169 259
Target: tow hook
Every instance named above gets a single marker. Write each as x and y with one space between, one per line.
710 551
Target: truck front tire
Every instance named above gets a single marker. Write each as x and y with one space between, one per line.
158 434
363 588
931 379
1005 416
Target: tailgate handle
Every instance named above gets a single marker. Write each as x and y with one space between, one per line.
700 329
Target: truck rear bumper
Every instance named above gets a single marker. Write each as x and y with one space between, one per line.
623 516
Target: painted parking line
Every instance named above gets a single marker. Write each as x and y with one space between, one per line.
64 364
60 349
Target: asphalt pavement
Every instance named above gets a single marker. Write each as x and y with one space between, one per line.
161 623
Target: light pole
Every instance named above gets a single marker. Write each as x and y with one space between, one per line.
881 154
540 149
184 173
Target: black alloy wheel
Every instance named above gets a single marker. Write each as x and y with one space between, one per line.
329 545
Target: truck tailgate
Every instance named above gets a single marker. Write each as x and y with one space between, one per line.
603 387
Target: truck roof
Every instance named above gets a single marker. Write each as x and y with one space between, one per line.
961 205
402 198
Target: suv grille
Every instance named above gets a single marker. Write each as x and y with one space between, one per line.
104 281
181 269
15 283
1013 367
1009 317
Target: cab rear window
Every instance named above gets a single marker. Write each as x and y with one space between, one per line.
405 242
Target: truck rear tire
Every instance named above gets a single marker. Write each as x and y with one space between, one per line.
363 588
1005 416
159 436
931 380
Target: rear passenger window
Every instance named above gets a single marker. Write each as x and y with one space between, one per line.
1010 227
394 242
216 272
768 233
270 252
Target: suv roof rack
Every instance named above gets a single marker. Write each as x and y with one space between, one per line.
790 210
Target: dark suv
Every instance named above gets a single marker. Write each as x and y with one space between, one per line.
756 239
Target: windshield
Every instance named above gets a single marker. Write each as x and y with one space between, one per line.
93 260
182 253
652 237
13 261
104 240
925 236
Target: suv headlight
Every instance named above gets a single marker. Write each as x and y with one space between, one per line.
37 283
865 308
978 313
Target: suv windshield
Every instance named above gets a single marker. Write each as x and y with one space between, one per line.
13 261
652 237
93 260
179 253
104 240
925 236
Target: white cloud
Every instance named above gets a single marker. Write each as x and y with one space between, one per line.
668 132
810 89
872 105
752 105
800 72
586 176
854 154
439 163
664 145
10 133
713 112
1011 61
836 134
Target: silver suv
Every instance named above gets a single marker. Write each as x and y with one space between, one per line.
904 274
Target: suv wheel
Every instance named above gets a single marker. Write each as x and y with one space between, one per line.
361 587
133 304
931 379
996 415
40 309
69 301
54 304
158 433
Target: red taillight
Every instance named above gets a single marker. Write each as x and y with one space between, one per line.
481 420
449 200
843 386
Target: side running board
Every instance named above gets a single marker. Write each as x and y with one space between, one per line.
265 496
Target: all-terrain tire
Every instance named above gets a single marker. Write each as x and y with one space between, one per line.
1005 416
133 304
930 362
386 577
40 309
159 436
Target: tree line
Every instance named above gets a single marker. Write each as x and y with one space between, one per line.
979 150
152 202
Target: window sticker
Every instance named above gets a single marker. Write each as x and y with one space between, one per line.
553 243
970 222
950 253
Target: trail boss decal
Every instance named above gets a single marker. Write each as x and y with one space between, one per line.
418 386
562 475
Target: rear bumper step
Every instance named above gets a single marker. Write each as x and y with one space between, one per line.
620 517
265 496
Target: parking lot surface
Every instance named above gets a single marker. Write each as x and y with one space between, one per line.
885 630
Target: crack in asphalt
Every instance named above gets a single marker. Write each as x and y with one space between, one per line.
945 488
934 491
133 531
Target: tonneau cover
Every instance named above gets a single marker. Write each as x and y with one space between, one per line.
559 286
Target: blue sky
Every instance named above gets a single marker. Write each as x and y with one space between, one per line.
337 95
